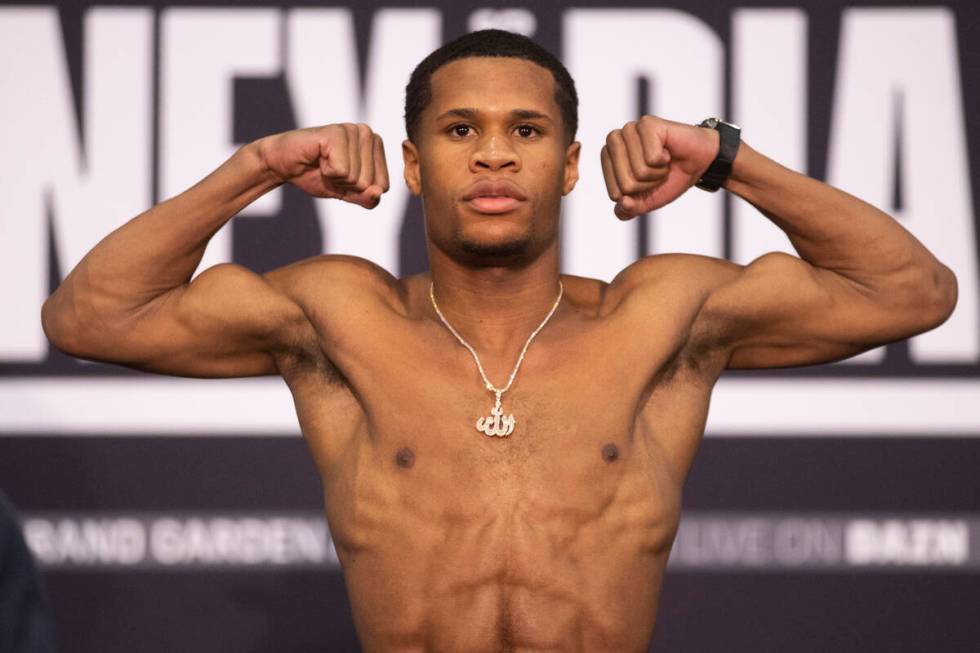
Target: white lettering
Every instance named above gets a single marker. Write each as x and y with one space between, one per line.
896 100
86 541
248 541
607 51
914 542
521 21
709 542
89 180
323 79
202 50
769 95
806 542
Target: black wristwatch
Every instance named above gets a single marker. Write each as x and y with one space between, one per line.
721 167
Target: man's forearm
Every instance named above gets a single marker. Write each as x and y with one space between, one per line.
159 249
834 230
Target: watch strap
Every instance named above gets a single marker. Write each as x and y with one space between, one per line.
721 167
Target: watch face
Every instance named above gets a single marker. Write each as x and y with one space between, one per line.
712 123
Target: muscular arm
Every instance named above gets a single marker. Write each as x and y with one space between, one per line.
131 299
860 280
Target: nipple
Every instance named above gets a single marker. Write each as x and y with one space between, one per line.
405 458
610 452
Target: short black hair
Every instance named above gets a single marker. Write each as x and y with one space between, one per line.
489 43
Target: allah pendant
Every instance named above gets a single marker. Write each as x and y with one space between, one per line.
496 423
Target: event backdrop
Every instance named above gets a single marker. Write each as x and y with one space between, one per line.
832 508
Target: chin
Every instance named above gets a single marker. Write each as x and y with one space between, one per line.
509 250
498 241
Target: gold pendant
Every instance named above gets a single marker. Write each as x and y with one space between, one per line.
496 424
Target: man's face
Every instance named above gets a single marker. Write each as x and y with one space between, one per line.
491 160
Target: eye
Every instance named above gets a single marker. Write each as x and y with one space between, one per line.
462 130
527 131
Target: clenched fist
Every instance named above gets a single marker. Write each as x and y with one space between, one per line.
651 162
343 161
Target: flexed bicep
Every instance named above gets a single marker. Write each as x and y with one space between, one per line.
227 322
781 311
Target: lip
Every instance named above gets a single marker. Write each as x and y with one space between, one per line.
494 196
492 205
494 188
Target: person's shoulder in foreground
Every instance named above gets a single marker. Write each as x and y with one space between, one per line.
26 624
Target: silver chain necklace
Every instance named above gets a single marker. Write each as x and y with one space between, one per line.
496 423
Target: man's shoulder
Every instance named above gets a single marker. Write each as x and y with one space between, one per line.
337 277
695 267
692 275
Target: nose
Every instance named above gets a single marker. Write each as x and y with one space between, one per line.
492 153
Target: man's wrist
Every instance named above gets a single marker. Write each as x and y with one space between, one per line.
254 158
742 179
729 139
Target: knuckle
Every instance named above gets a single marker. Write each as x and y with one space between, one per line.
332 133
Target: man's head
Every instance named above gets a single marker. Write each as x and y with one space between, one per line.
491 119
489 43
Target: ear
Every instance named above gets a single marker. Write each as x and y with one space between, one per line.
413 176
571 167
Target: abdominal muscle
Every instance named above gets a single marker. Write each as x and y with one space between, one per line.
543 541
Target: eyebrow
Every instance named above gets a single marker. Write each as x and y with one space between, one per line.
473 114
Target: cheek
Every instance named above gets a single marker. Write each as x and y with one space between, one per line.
433 173
550 175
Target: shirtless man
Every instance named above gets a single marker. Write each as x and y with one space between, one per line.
554 537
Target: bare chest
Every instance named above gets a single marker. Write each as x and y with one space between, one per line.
402 433
578 501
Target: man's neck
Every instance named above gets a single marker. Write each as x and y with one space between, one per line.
495 308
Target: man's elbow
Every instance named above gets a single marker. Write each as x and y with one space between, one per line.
939 296
55 324
949 289
63 329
